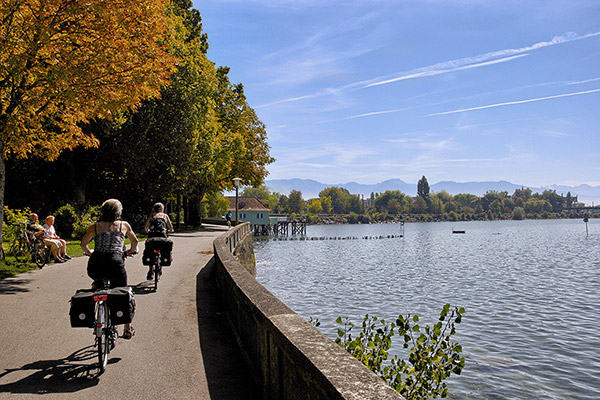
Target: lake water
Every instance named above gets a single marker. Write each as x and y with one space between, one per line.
531 290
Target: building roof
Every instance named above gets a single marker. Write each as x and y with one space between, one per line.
247 204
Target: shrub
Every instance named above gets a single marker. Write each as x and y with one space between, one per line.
12 219
65 219
433 356
89 217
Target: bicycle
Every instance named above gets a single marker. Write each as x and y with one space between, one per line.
104 331
156 267
110 307
26 244
157 254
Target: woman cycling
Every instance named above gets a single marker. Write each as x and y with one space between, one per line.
158 224
108 258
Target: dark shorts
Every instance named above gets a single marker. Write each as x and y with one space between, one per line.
108 265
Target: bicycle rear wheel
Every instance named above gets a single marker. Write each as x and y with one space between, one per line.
157 273
38 255
103 337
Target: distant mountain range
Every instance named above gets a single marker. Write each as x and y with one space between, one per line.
310 189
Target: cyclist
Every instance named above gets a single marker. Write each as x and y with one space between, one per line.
228 217
158 224
107 261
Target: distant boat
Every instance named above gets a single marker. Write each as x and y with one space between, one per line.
457 231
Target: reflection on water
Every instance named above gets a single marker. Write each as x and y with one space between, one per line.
531 290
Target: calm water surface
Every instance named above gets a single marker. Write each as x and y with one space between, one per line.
531 290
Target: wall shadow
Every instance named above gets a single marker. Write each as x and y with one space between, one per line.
226 369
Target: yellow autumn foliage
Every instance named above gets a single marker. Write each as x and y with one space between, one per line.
65 62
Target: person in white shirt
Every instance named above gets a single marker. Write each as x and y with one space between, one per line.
51 234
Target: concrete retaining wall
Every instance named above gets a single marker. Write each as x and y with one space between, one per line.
289 357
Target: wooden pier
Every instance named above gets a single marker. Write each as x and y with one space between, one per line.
281 228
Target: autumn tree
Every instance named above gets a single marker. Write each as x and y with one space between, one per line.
326 204
184 143
315 206
65 62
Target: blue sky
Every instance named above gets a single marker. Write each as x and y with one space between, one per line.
464 91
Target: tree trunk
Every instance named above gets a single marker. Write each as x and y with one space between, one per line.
178 222
2 184
195 207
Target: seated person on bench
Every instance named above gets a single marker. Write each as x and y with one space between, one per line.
40 232
49 227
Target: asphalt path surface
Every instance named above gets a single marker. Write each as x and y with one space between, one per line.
183 347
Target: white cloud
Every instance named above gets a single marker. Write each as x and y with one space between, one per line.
483 60
480 60
438 70
550 133
510 103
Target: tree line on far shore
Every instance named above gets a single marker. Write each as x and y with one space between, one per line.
336 204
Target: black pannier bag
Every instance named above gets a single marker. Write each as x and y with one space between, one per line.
165 245
121 304
83 308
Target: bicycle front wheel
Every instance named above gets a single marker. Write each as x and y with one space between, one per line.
19 250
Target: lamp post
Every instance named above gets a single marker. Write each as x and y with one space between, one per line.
236 182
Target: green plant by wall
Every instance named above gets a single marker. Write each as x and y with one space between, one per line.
433 356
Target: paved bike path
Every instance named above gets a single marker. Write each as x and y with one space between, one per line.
183 347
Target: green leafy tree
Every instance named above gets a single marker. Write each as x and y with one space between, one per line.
423 189
522 194
382 202
295 202
418 206
490 197
518 213
569 200
443 196
282 204
394 206
536 206
215 205
263 194
467 200
435 205
340 199
556 201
